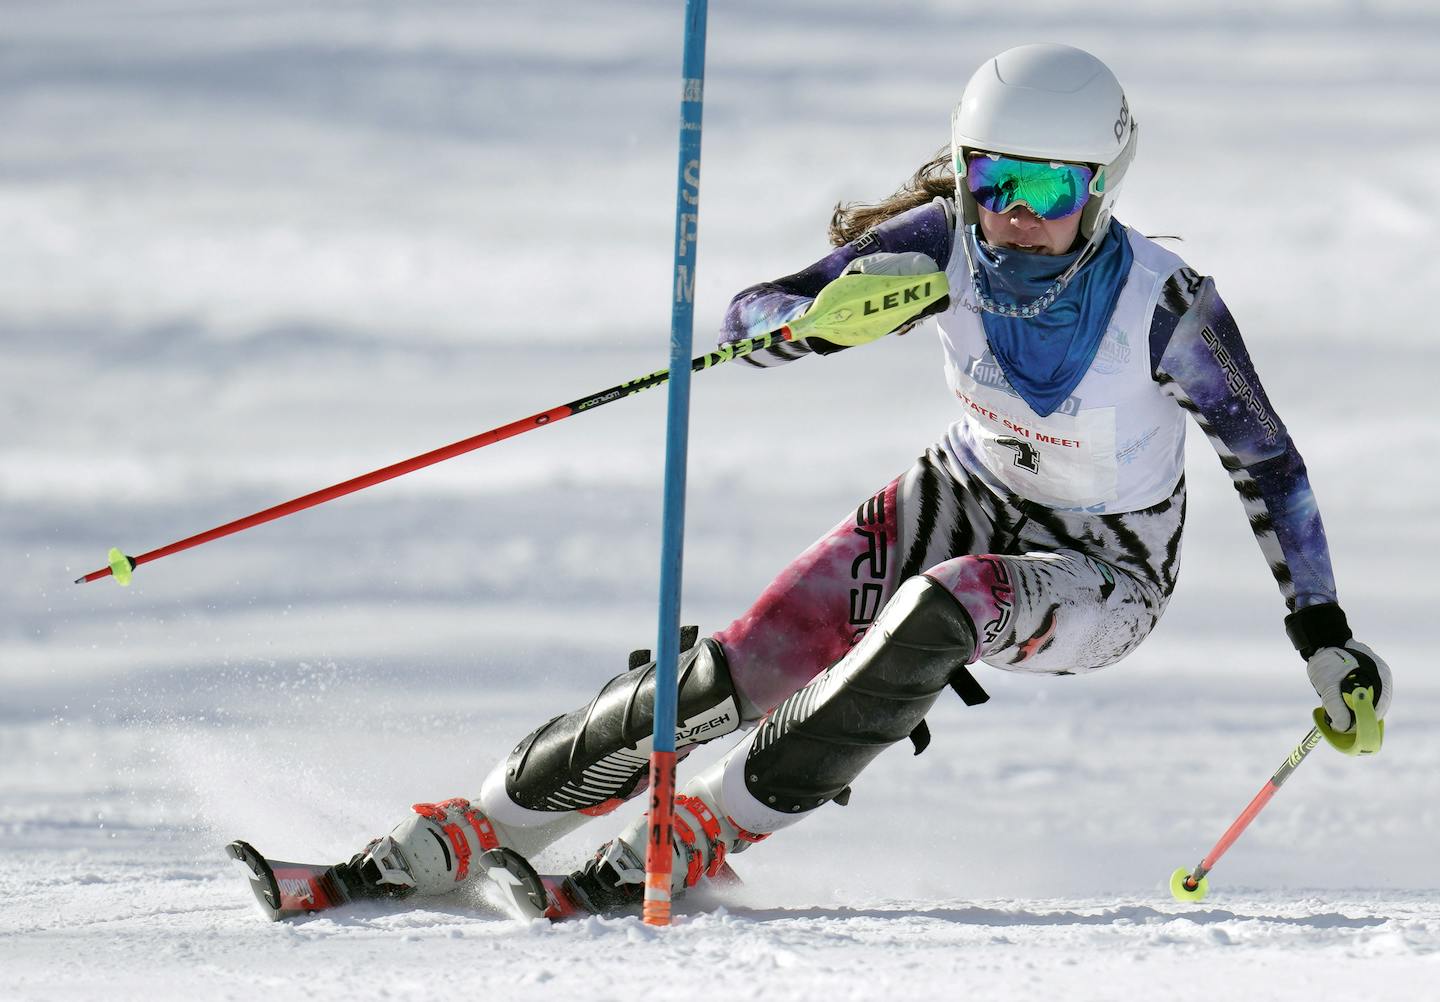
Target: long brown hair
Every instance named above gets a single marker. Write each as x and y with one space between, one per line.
935 177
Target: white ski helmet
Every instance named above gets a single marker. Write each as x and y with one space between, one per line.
1047 102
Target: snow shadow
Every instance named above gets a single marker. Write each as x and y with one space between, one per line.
1004 917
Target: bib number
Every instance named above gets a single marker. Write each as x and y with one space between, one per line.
1027 457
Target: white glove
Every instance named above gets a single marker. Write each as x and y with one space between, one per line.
905 263
1328 668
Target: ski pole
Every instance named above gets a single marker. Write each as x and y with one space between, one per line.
1365 738
875 303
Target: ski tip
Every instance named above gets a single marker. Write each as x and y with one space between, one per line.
262 878
520 889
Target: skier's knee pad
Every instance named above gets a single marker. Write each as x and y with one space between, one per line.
816 742
595 757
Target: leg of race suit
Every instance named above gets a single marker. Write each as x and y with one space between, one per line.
821 604
579 765
810 749
1074 591
818 606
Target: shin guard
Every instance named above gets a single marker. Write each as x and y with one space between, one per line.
811 748
589 761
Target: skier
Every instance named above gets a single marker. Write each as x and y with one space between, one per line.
1041 534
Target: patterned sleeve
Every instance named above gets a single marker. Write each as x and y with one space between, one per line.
760 308
1200 360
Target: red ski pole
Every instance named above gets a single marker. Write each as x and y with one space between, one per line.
121 565
1365 738
850 306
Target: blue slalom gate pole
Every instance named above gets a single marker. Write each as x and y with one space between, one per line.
658 854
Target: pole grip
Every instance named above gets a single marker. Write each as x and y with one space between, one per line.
1367 732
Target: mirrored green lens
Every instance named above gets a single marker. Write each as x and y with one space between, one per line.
1050 190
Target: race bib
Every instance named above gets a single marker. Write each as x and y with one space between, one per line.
1061 460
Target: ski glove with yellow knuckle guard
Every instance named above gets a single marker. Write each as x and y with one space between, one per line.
1332 655
928 297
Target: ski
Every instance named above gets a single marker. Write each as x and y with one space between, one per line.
289 890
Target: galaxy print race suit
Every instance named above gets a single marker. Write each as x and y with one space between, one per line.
1040 538
1060 535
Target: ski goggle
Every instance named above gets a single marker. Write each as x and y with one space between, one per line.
1050 190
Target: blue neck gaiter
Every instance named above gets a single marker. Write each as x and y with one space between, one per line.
1046 356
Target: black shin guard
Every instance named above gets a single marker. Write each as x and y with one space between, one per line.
600 752
817 741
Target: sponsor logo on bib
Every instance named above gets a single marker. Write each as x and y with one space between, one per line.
987 372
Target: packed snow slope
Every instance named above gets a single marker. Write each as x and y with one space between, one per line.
252 249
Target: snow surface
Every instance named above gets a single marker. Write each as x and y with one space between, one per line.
250 249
